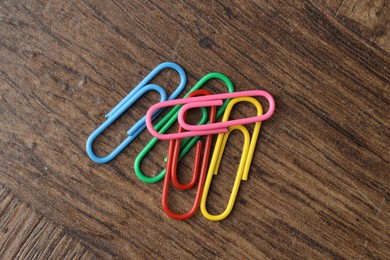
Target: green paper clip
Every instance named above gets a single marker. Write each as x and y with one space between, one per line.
168 120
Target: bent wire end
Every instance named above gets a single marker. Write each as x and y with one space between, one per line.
119 111
164 198
150 76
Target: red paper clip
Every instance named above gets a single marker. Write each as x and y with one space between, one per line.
171 170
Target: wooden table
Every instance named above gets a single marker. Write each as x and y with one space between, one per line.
319 182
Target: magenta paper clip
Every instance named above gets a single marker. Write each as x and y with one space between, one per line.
207 101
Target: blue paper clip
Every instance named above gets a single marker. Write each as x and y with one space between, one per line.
128 101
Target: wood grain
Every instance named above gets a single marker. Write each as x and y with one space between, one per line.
368 19
25 234
319 182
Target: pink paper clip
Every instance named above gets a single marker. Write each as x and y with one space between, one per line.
207 101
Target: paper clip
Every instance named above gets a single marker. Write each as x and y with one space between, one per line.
245 161
128 101
174 149
207 101
165 123
175 157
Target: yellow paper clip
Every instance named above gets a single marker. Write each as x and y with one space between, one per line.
245 161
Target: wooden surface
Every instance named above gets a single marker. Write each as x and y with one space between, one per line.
319 182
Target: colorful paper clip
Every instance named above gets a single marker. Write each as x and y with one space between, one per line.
173 157
245 161
165 123
207 101
128 101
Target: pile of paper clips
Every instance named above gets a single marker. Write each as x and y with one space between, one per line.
189 135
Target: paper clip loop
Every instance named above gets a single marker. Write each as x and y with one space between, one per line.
245 161
165 123
174 149
207 101
128 101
